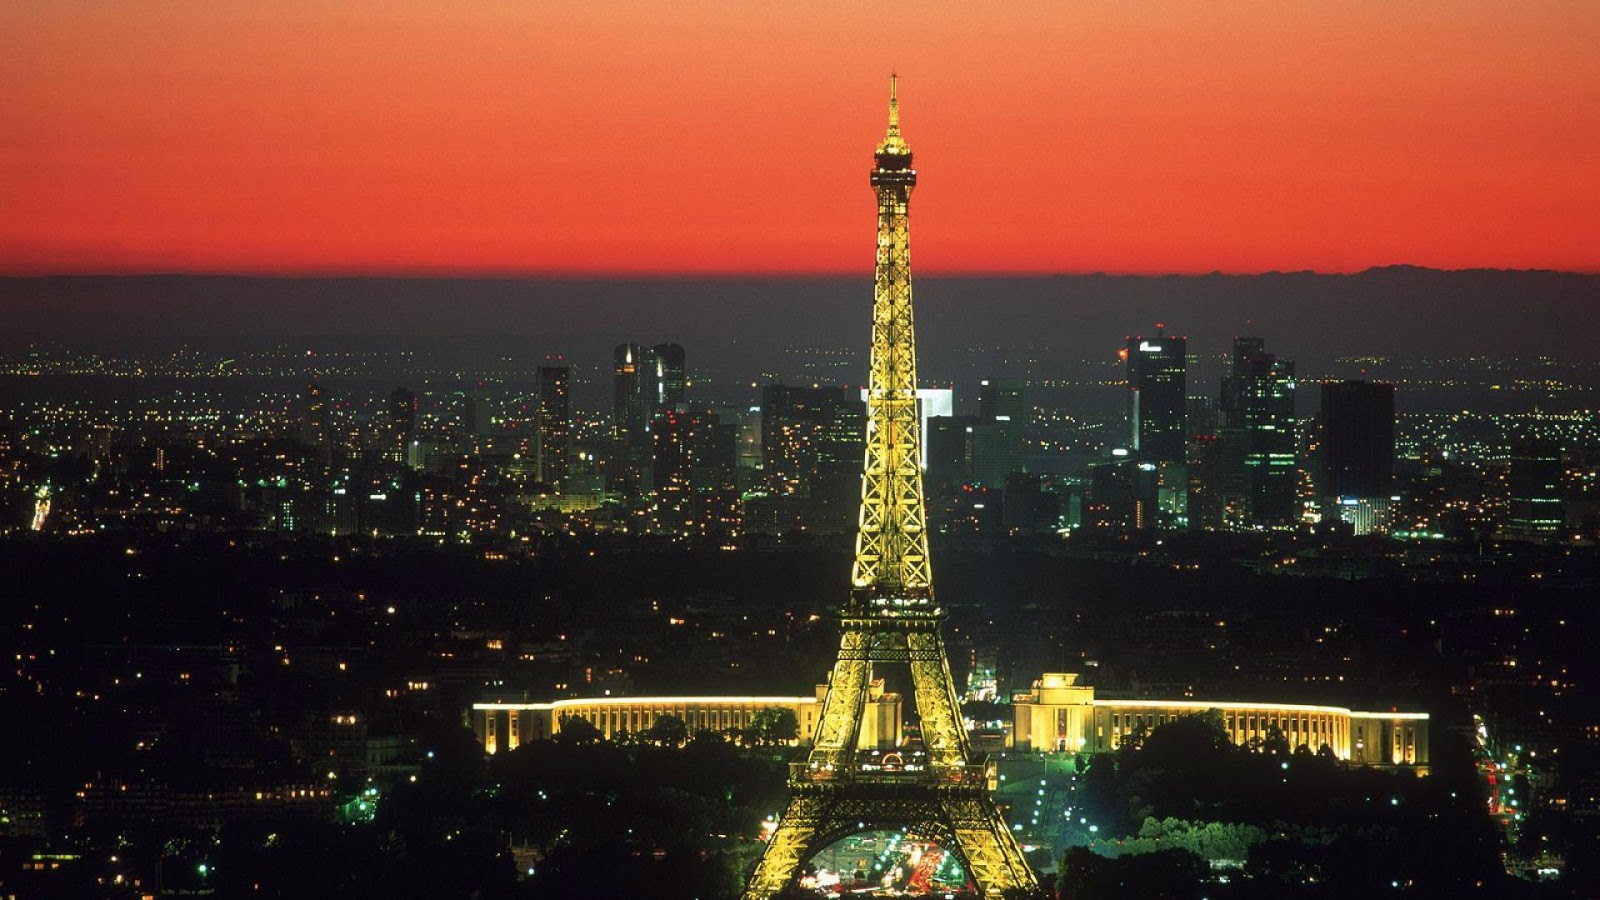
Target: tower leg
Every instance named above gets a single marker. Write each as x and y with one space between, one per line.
944 734
839 725
789 848
991 852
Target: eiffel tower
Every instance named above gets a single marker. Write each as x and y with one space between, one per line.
891 617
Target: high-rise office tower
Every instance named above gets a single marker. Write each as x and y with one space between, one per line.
479 413
632 377
1207 473
997 439
1200 416
694 472
666 377
811 441
1157 396
673 437
313 416
555 422
949 447
1259 439
1533 480
1355 473
402 425
1001 400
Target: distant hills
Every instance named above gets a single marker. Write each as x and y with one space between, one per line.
1388 311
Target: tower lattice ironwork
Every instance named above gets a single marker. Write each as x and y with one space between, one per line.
891 617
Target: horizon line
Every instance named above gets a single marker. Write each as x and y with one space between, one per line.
443 273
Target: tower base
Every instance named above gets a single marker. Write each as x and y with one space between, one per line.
962 818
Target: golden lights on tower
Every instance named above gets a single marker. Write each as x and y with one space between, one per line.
891 618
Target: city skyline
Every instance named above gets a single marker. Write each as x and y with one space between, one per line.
323 139
428 606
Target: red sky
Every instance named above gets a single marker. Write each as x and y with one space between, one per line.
730 136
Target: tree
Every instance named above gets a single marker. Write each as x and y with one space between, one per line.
575 730
1276 743
666 731
775 725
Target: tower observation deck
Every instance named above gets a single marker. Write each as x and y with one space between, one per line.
891 618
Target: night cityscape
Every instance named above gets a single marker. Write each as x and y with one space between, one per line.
573 535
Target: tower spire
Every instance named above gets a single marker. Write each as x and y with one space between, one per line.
894 103
893 143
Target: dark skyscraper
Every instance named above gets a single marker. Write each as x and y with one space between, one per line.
1000 399
673 438
1533 479
694 472
632 373
811 450
997 439
666 376
314 420
1354 457
646 380
1259 440
313 416
1200 416
1357 419
810 436
555 422
1157 394
950 453
402 424
479 414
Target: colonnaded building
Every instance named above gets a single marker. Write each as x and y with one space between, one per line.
1058 715
502 725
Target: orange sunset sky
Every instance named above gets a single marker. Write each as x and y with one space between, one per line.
547 136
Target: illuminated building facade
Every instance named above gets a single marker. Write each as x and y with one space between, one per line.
1060 715
891 618
504 725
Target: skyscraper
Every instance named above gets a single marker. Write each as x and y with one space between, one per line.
997 439
402 425
555 422
1356 470
314 416
1533 480
949 447
666 376
694 475
1157 396
1259 439
632 375
811 443
478 415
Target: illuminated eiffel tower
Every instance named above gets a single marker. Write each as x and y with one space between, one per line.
891 617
